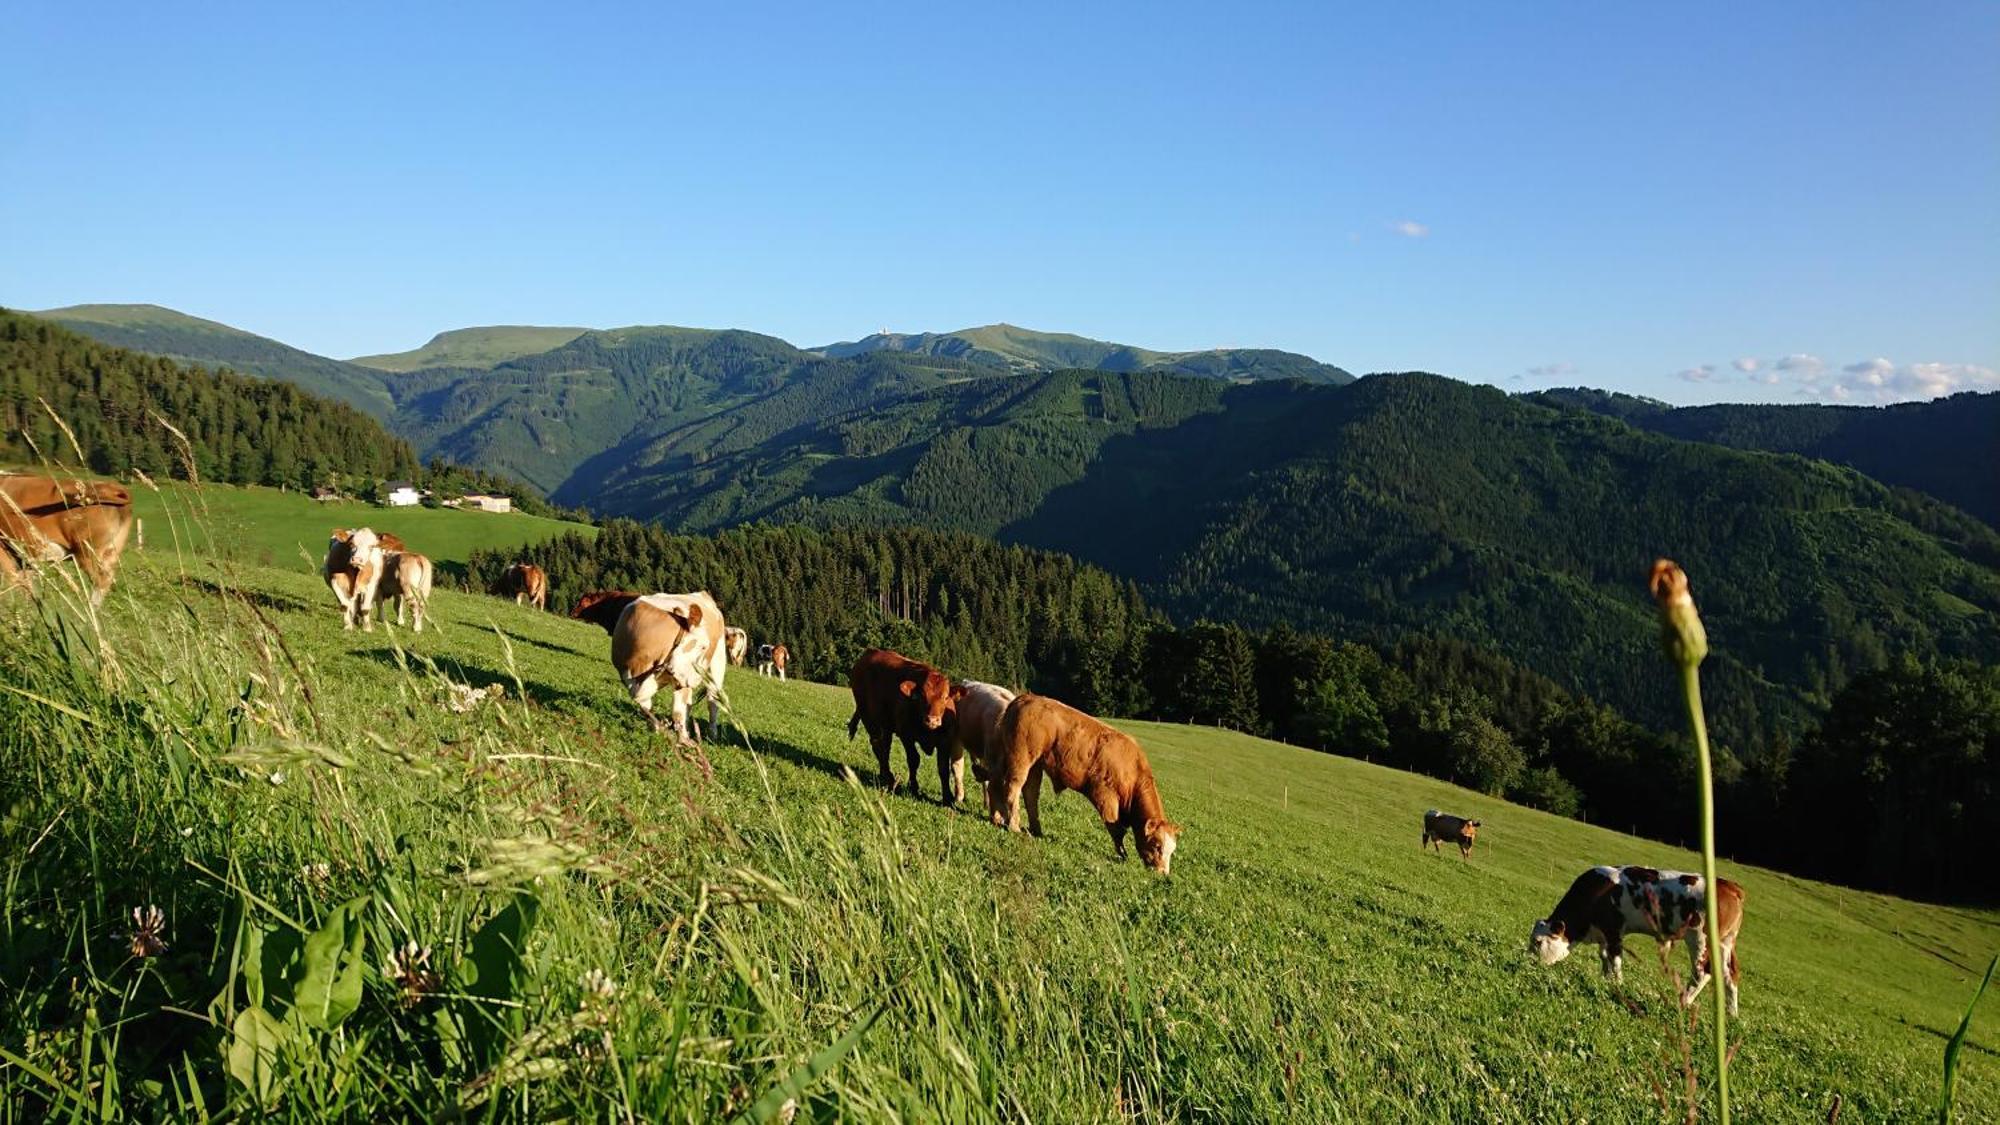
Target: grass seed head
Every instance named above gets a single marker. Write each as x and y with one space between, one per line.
1681 632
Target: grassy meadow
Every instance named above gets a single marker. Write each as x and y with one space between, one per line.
270 527
607 927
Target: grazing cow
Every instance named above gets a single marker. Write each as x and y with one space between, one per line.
1040 736
1441 828
895 696
1606 903
406 577
46 519
738 641
353 568
674 639
972 735
526 580
771 660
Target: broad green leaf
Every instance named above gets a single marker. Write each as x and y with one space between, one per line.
252 1053
798 1081
330 989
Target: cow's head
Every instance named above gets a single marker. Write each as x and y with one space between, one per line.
931 696
1549 941
1468 833
1157 841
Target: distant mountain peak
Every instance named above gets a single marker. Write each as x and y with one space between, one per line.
1014 348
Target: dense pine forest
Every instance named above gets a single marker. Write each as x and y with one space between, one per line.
130 412
1422 702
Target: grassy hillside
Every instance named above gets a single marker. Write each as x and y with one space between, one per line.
1305 961
268 527
190 339
1024 349
474 347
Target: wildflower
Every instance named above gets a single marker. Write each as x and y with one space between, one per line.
1680 626
410 969
316 875
597 986
277 777
148 923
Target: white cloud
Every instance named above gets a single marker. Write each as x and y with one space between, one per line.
1802 365
1747 364
1881 380
1552 370
1410 228
1700 374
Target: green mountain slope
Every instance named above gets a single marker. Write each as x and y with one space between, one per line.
1949 447
474 347
1403 502
1023 349
190 339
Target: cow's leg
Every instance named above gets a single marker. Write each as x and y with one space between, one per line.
683 699
1007 800
1614 960
401 600
417 611
1031 794
912 756
956 789
880 741
1106 803
1697 963
643 690
1730 974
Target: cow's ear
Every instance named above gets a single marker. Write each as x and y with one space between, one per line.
1475 824
693 615
957 692
907 686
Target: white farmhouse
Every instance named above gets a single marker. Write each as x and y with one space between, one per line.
402 494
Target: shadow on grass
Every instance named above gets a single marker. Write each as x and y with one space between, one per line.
511 635
283 603
479 676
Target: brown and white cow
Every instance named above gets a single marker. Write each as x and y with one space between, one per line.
406 577
1442 828
738 642
972 734
603 607
1606 903
896 697
526 581
673 641
1039 736
46 519
353 570
772 659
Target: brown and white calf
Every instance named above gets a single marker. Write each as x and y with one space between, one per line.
406 577
526 582
896 697
1443 828
353 570
1607 903
674 641
972 735
738 643
771 660
1039 736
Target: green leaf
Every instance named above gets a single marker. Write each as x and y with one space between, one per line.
798 1081
330 990
494 963
252 1052
1950 1092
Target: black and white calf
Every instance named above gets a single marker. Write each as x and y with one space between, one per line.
1606 903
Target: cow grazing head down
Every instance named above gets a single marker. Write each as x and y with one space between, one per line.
1157 841
931 696
1548 943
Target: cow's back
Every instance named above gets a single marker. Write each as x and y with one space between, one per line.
1072 747
979 712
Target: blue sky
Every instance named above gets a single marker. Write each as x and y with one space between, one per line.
1653 198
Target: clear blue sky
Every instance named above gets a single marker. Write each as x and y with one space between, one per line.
1610 194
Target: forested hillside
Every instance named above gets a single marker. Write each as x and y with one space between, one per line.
1401 503
190 339
123 409
1946 447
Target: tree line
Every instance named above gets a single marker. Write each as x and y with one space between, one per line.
1903 781
66 398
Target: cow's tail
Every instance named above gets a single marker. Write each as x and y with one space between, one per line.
853 724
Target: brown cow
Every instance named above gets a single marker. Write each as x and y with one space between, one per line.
47 519
602 607
1040 736
738 642
673 638
1606 903
1442 828
353 570
895 696
406 577
973 734
526 580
